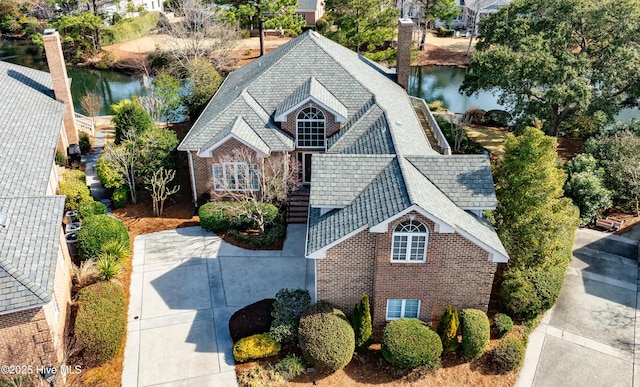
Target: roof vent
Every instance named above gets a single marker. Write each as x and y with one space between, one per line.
398 123
3 220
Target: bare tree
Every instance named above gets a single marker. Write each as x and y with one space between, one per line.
153 105
92 103
160 190
474 8
202 33
123 157
244 177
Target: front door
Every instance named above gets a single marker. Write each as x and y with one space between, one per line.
304 158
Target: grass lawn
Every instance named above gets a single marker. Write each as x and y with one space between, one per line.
490 138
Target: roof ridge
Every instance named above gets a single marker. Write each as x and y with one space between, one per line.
19 276
345 131
427 177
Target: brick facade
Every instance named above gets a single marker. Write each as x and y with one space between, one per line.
331 126
456 271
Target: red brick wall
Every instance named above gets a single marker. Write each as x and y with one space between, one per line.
289 126
456 271
347 271
25 338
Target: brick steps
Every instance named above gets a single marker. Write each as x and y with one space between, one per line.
298 206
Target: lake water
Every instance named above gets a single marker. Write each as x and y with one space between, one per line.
112 86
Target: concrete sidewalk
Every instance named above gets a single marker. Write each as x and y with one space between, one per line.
589 337
186 284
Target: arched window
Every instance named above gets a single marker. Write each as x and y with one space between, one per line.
310 125
409 242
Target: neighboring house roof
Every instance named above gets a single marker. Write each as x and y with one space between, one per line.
308 5
313 66
31 124
29 250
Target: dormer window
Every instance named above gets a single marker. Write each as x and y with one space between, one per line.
310 128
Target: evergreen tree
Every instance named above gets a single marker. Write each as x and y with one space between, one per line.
361 322
448 329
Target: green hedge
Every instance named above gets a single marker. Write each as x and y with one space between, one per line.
223 216
101 321
98 230
325 336
409 343
89 208
287 309
476 332
129 29
119 197
504 324
271 237
525 294
255 347
448 329
73 185
508 355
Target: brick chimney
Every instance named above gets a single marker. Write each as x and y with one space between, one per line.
403 56
60 80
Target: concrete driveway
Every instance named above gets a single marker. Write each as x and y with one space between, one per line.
589 337
186 284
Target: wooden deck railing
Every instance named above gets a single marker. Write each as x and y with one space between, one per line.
419 103
85 123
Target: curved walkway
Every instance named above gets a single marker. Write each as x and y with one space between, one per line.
186 284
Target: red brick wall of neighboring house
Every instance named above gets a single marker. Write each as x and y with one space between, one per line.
309 17
289 126
347 271
25 338
456 271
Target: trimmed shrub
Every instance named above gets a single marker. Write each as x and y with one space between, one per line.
222 216
101 322
448 329
476 333
110 175
287 309
258 376
504 324
361 322
89 208
325 336
525 294
61 159
129 114
85 143
73 186
508 355
322 25
251 320
436 106
272 237
410 343
445 32
96 231
290 367
255 347
119 197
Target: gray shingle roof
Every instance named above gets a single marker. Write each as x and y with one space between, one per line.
465 179
30 128
326 67
349 175
29 250
307 5
310 89
241 130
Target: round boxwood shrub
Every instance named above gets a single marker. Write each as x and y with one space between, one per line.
255 347
119 196
91 207
73 185
508 355
504 324
409 343
101 321
325 336
476 333
98 230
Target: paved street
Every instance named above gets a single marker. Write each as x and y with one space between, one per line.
588 338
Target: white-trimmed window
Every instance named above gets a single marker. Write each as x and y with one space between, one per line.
310 128
397 308
409 242
236 176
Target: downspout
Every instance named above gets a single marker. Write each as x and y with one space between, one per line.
286 172
193 179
